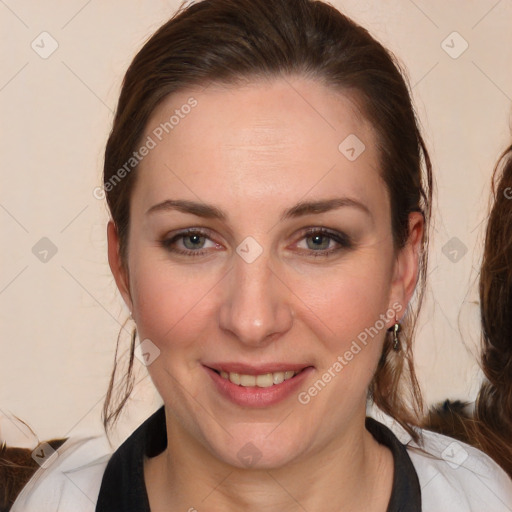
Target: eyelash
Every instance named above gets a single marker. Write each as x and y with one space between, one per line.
168 243
343 240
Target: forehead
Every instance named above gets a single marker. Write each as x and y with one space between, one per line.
260 139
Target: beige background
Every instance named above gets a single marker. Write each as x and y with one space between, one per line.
60 319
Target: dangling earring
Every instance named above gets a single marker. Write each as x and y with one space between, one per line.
396 329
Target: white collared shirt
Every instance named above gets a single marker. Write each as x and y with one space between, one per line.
455 477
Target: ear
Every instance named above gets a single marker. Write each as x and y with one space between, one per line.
116 265
406 268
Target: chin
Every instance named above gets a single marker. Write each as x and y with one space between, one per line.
260 446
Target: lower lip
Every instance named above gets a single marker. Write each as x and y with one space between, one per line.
254 396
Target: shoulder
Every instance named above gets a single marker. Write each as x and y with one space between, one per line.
453 475
68 479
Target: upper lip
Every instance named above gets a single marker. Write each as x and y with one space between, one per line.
248 369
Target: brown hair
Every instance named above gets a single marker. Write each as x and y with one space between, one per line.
17 466
489 428
494 403
229 41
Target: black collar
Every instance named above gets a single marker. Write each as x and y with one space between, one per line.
406 492
123 488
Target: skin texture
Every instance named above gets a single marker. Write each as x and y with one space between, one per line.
255 151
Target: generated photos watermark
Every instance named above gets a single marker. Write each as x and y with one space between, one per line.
304 397
150 143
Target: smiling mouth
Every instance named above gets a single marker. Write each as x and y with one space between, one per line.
264 380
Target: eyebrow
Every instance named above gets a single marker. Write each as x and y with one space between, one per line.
209 211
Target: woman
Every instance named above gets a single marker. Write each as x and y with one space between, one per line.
269 226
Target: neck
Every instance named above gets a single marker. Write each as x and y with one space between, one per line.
351 473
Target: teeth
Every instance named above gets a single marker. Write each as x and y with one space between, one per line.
247 380
265 381
262 381
278 377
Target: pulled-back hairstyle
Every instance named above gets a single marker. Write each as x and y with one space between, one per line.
234 41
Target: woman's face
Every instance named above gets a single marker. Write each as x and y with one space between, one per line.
260 243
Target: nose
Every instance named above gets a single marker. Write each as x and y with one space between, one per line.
255 307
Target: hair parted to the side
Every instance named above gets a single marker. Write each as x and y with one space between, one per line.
235 41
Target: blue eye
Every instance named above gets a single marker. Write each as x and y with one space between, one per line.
196 241
318 242
192 242
323 242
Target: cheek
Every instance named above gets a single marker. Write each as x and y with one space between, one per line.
347 313
173 306
346 300
352 311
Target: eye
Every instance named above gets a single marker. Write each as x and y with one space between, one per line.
324 242
192 242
